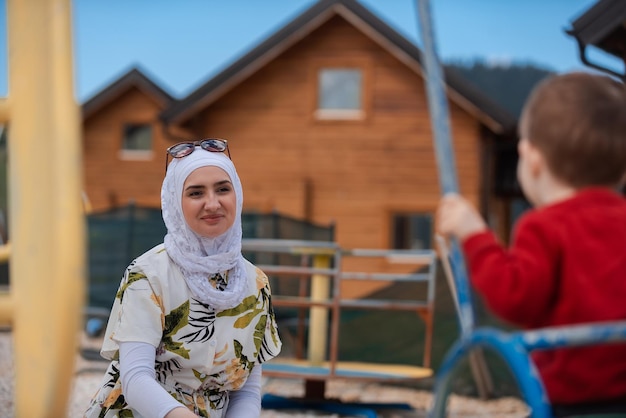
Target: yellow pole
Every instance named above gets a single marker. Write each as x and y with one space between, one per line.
6 308
45 214
4 111
318 328
5 253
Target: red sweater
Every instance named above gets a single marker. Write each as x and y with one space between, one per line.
566 265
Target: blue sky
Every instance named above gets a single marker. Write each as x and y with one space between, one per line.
182 43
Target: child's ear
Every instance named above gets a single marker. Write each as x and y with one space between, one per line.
532 155
537 161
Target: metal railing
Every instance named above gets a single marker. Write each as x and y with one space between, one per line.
320 271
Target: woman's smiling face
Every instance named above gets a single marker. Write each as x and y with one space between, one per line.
209 201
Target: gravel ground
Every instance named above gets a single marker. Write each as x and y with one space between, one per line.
89 373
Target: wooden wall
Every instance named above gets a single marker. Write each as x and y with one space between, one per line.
110 179
359 172
355 173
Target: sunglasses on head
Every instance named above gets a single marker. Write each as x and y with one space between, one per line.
183 149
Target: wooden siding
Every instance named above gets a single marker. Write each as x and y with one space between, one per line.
110 179
360 172
355 173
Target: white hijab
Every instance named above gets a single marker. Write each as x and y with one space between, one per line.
198 257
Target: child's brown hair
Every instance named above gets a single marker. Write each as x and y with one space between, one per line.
578 122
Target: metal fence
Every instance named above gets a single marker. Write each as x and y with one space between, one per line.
119 235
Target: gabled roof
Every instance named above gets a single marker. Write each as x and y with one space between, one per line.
598 24
603 26
133 78
459 90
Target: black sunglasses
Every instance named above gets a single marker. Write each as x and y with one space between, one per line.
183 149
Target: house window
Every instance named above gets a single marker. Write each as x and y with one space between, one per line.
412 231
340 94
137 141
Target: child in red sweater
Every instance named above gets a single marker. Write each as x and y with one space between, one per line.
567 260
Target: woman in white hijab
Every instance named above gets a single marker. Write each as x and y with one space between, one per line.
192 321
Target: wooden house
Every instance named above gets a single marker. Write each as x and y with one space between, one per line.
327 121
602 26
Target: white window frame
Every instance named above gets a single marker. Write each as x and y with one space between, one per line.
136 154
340 113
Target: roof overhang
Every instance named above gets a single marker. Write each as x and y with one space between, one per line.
132 79
602 26
469 99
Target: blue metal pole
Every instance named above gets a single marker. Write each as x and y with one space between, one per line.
438 106
574 335
511 348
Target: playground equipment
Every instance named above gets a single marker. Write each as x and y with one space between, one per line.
47 228
45 209
320 272
514 347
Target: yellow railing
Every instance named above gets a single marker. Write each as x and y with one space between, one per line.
47 260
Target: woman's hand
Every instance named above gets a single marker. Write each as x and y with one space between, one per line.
181 412
457 217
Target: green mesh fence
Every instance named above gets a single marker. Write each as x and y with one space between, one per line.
117 236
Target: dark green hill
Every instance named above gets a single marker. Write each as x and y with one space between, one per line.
508 85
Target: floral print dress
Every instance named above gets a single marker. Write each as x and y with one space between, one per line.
201 354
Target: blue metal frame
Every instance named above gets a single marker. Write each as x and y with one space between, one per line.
445 156
513 347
